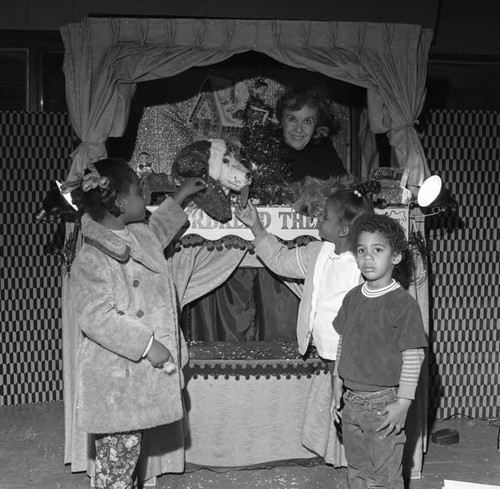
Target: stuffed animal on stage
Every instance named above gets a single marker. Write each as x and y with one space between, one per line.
309 196
224 167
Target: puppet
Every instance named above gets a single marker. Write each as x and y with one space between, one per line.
225 169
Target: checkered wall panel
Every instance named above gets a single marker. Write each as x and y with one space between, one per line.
463 147
34 151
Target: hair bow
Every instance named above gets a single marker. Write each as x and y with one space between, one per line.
87 180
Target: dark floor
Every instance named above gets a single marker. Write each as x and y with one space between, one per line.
31 457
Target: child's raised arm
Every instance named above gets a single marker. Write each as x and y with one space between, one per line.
189 187
250 217
169 219
290 263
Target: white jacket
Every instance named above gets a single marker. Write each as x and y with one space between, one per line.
327 278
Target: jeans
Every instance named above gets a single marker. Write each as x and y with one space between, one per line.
372 461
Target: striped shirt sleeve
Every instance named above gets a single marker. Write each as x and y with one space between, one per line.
339 349
410 372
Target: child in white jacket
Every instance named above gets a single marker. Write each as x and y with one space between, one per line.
329 271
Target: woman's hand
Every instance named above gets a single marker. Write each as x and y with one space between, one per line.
250 217
189 187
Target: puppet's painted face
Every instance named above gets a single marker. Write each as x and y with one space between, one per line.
234 174
298 126
226 168
222 165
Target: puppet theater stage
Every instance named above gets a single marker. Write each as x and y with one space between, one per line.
285 376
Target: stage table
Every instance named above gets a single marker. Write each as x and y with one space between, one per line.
246 402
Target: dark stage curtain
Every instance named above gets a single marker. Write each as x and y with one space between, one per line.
253 305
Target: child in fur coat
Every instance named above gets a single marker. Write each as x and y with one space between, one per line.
131 351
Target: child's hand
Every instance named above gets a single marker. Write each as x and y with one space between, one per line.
159 355
189 187
396 417
250 217
338 390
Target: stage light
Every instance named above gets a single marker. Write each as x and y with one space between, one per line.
434 198
56 204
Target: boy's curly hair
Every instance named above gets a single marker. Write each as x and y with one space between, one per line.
97 201
387 226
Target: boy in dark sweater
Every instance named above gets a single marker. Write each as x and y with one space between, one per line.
381 350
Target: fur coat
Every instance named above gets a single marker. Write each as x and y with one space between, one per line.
122 294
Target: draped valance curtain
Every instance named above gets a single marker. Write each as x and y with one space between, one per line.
106 57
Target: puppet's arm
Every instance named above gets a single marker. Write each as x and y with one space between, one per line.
197 271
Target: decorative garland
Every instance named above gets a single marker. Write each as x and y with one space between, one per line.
253 369
251 360
234 242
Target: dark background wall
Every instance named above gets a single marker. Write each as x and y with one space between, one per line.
464 61
462 27
50 14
